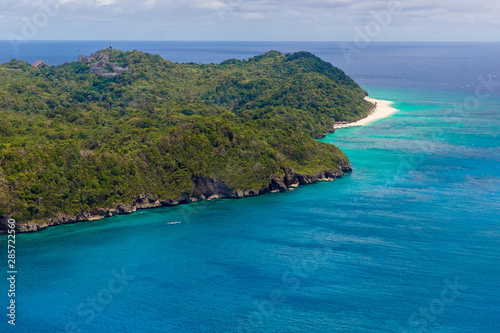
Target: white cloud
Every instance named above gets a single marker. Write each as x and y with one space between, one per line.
150 3
105 2
259 19
63 2
254 16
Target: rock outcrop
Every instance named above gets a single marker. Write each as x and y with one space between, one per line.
203 188
98 61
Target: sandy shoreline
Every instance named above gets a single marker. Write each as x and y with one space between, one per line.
382 110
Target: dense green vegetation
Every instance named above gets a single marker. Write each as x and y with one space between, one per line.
71 140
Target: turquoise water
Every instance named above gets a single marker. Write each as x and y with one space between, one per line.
409 242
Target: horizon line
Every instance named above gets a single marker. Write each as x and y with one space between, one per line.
238 41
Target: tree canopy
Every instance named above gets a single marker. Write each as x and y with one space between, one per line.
71 140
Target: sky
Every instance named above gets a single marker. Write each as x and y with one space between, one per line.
251 20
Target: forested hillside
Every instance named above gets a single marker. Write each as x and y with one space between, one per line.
73 141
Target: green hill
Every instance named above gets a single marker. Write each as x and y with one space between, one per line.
74 144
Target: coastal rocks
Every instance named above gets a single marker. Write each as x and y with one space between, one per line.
3 224
278 184
247 193
204 188
29 227
212 188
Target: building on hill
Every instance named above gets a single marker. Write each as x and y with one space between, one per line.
39 64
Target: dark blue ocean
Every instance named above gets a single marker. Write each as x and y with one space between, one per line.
409 242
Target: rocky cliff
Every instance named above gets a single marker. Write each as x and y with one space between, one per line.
203 188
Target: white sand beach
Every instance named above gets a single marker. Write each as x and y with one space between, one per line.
382 110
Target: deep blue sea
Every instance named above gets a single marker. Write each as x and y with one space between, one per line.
409 242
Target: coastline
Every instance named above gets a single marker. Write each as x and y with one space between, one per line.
383 109
204 188
209 188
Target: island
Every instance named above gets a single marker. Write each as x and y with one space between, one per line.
119 131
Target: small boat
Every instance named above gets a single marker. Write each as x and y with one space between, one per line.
174 222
